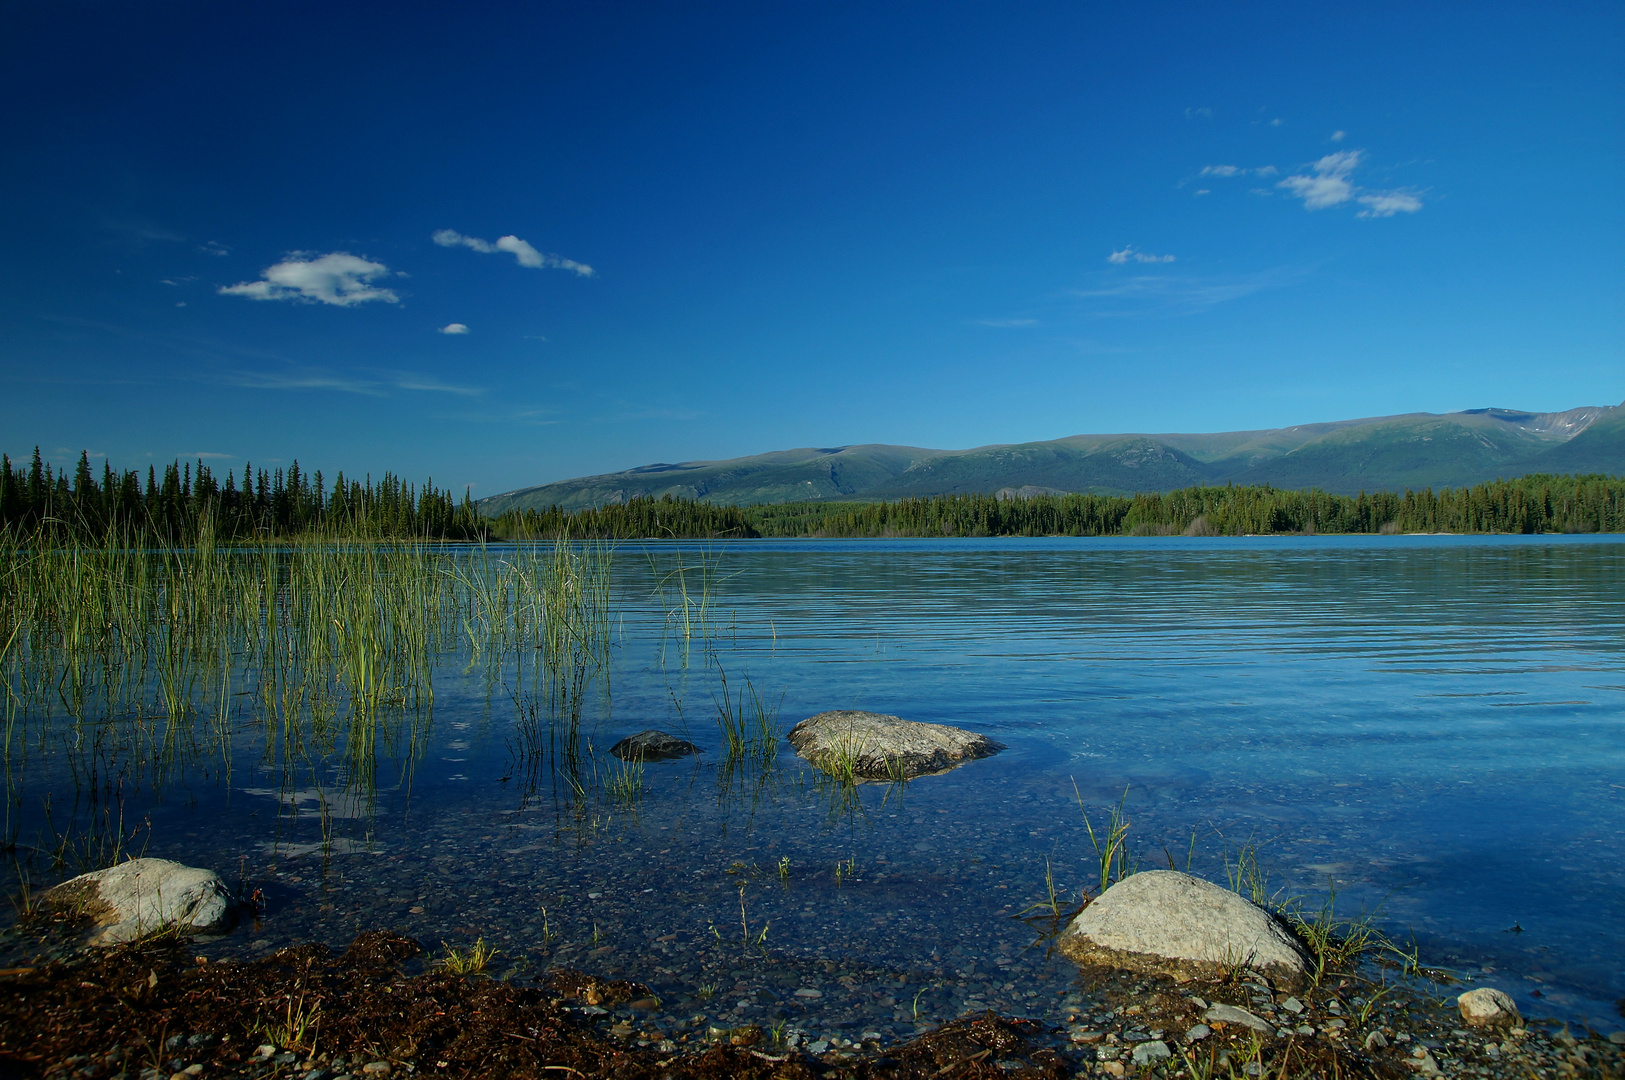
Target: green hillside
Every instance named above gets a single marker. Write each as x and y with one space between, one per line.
1385 453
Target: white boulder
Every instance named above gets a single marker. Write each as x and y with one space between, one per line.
144 896
1166 921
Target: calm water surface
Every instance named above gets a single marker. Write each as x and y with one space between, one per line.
1433 727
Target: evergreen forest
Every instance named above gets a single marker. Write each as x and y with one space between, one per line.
187 497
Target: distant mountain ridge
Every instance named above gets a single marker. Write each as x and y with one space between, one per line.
1383 453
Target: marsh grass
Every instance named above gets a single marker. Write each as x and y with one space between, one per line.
1335 944
297 1026
748 724
132 657
472 960
1113 860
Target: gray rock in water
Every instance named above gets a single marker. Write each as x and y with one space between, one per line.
882 747
144 896
652 745
1166 921
1488 1007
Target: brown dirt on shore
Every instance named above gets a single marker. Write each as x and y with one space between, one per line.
152 1010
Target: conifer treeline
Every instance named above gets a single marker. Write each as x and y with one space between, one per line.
267 503
1530 504
288 502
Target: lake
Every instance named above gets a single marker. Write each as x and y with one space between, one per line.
1432 728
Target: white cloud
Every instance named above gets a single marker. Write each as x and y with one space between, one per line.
454 328
1277 122
1204 191
338 278
1339 136
1121 257
1203 113
1330 184
1389 203
519 249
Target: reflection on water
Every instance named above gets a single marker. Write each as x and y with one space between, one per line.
1432 725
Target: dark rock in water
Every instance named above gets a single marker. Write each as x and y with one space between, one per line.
652 745
881 747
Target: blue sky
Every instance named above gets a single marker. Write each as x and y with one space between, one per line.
678 232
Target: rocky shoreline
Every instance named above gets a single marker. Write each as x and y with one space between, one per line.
153 1010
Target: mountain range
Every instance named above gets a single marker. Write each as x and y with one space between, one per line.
1391 453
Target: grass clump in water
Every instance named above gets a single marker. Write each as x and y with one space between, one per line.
470 961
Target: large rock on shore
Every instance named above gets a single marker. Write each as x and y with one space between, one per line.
1165 921
145 896
652 745
882 747
1488 1007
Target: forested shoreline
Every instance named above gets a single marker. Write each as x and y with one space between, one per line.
1531 504
187 497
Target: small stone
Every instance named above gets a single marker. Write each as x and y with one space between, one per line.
1376 1040
285 1059
809 993
1198 1033
1422 1061
1337 1025
1292 1005
194 1069
1229 1014
1148 1052
1487 1007
818 1047
1492 1051
376 1068
1113 1068
1305 1029
1617 1038
265 1050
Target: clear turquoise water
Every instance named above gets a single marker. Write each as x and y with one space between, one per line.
1433 726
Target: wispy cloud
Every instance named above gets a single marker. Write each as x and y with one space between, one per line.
1171 295
524 253
1388 203
339 278
454 328
1339 136
1009 324
1128 253
1203 113
376 384
1330 183
1237 170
